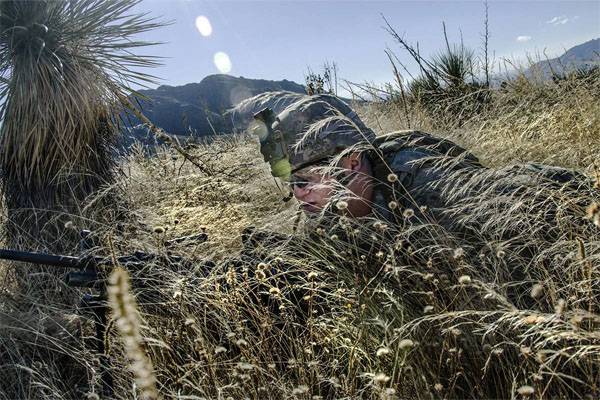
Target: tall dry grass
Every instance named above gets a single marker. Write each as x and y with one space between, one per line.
527 119
499 301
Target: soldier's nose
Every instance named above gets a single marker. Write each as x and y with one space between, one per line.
301 191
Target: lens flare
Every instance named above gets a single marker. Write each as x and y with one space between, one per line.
259 129
222 62
203 25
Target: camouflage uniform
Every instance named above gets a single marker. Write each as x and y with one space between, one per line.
413 169
241 115
407 168
323 126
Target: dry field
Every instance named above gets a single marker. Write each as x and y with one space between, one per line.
361 310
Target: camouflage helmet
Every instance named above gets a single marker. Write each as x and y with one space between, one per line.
311 129
241 115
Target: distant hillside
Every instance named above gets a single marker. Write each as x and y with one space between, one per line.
191 109
585 55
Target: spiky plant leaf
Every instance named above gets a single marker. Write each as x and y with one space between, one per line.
63 64
454 66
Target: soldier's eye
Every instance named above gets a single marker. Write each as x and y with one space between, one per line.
299 182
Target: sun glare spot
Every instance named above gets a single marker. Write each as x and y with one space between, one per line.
222 62
203 25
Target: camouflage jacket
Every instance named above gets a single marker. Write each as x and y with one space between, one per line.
408 165
416 170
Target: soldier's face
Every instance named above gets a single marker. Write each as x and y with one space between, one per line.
314 190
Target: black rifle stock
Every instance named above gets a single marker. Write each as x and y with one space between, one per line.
88 275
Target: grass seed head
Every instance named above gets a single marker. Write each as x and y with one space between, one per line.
560 306
159 230
408 213
526 390
525 350
593 213
458 253
127 321
260 275
537 290
301 389
341 205
382 351
380 378
275 291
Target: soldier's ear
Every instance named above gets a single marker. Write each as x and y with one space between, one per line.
355 162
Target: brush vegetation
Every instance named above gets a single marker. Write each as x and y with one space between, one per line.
63 68
505 303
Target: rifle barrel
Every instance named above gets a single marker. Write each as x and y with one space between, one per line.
42 258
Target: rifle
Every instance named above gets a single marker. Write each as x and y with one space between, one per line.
88 275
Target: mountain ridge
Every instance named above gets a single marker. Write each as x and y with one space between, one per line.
196 109
582 56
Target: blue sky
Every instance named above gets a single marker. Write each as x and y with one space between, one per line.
281 39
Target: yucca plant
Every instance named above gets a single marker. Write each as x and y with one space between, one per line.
64 65
66 68
454 66
449 83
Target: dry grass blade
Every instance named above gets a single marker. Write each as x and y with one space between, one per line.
128 323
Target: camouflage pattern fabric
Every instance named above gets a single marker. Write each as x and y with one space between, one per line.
434 174
407 165
320 126
242 114
312 126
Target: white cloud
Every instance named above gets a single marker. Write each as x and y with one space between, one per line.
523 38
560 20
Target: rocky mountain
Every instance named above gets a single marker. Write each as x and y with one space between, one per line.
196 109
583 56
